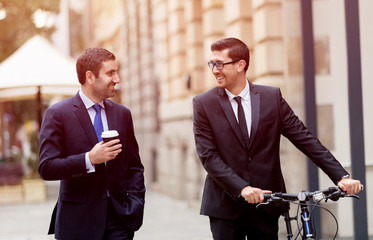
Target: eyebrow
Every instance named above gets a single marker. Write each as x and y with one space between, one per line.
111 71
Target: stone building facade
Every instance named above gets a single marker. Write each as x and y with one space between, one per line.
163 47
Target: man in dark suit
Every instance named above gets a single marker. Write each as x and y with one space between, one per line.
102 188
237 128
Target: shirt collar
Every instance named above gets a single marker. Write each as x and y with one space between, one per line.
88 103
245 94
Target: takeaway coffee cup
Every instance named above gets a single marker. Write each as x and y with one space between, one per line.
109 135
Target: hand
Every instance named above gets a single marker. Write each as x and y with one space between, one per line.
103 152
253 195
350 186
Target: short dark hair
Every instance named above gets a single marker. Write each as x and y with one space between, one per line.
237 49
90 60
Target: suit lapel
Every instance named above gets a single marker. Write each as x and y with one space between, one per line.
228 111
255 112
82 114
110 115
111 121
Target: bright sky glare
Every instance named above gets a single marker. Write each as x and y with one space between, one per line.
43 19
2 14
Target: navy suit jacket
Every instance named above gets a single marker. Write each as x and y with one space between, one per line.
231 164
66 135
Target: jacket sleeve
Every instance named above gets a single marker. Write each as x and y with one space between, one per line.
294 129
130 204
53 164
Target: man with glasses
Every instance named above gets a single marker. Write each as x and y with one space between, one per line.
237 128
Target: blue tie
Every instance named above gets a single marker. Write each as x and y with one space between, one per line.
97 123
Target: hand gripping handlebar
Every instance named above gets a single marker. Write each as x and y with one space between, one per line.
332 193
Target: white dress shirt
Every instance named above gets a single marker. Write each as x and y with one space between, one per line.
88 103
246 104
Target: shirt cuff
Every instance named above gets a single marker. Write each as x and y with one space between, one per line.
90 168
345 176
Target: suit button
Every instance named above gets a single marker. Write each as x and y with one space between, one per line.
104 196
249 159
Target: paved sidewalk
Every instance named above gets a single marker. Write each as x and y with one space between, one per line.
165 219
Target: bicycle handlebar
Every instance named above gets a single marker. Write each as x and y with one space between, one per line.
333 193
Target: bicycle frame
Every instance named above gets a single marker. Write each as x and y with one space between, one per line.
308 233
306 221
302 199
288 219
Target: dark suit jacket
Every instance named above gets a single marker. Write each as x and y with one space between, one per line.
66 135
231 165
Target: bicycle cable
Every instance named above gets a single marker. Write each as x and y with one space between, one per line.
334 217
314 205
297 220
308 209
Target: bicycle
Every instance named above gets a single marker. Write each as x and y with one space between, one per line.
302 200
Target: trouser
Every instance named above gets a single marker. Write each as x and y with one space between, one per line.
115 229
253 224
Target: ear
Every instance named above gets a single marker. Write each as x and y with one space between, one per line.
241 65
89 76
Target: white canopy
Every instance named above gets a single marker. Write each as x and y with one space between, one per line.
37 64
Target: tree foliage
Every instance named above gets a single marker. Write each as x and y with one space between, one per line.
18 24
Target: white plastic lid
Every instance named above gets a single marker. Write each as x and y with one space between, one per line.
109 134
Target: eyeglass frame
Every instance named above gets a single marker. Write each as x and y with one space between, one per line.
215 64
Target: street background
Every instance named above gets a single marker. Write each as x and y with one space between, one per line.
162 48
164 219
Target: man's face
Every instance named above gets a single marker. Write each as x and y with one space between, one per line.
103 85
226 77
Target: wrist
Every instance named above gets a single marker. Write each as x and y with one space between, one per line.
344 177
241 193
90 157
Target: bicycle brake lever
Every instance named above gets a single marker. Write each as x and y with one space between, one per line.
336 195
264 203
353 196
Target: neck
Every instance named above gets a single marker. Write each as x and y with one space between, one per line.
238 87
90 95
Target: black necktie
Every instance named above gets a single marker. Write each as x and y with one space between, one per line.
242 120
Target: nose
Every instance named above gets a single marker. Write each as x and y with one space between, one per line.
215 69
116 79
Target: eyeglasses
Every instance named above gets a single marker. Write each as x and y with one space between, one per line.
219 65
